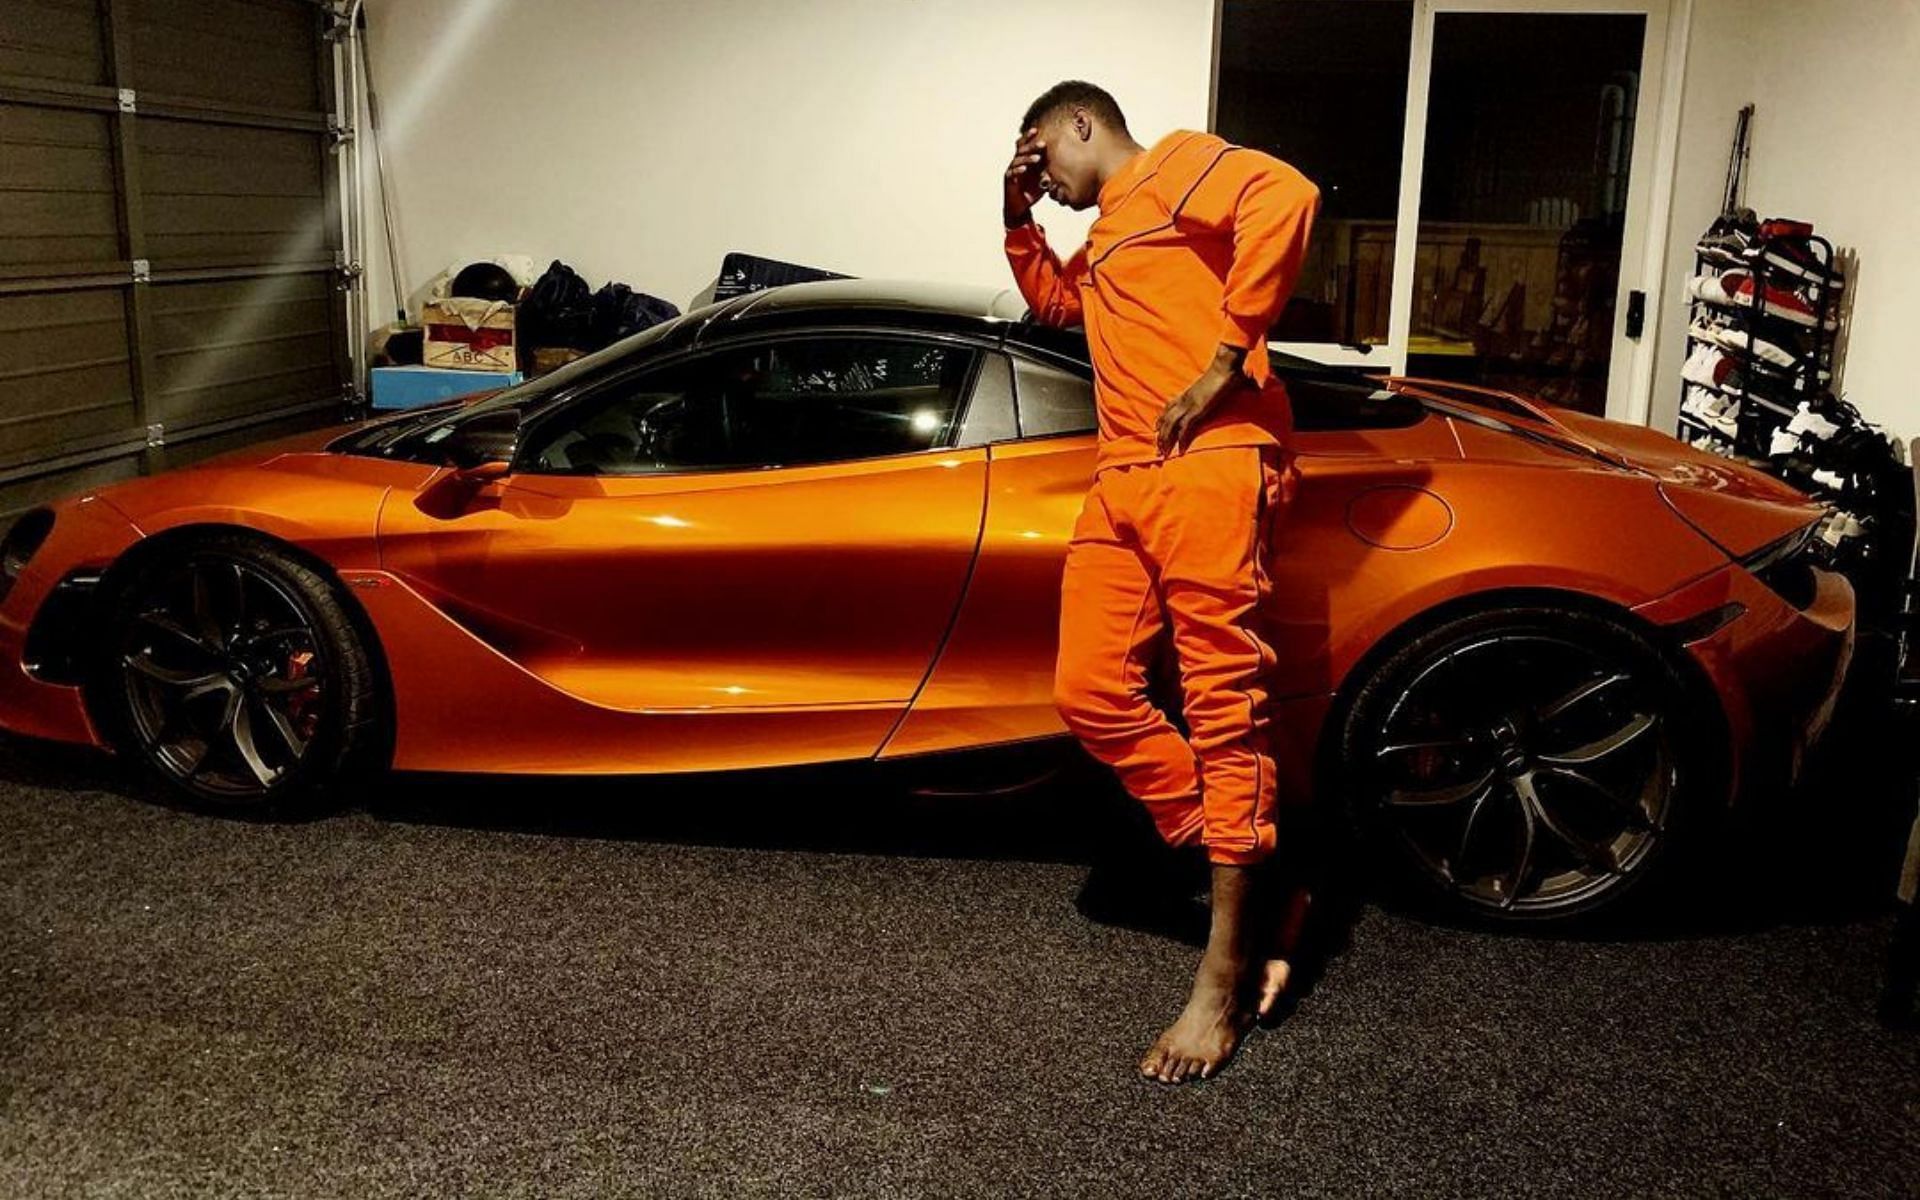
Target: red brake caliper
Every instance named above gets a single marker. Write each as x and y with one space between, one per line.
299 702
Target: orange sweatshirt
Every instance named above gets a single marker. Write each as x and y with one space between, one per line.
1198 243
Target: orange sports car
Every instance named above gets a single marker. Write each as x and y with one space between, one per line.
1529 650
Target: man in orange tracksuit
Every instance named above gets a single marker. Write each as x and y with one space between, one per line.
1196 248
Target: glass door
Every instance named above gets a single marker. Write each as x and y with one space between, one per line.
1480 162
1323 85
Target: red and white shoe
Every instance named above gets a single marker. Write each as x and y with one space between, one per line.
1707 366
1735 289
1799 260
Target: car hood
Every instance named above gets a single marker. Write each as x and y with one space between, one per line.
291 488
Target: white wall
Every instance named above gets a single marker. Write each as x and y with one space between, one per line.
1835 141
640 140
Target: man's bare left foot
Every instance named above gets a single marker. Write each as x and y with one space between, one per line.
1273 975
1207 1032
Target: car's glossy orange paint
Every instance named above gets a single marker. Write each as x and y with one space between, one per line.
908 606
824 585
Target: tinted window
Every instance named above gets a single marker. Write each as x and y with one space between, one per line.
773 404
1052 401
990 414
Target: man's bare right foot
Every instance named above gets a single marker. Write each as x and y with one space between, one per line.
1208 1030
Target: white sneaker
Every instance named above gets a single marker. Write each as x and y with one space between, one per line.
1830 479
1717 412
1706 366
1784 442
1744 342
1808 421
1840 526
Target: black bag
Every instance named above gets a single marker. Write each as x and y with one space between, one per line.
619 312
558 311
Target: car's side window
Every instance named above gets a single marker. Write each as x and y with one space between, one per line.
1052 401
777 403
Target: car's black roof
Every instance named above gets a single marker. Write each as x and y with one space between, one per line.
915 296
992 314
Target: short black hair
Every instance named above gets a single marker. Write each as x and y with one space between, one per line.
1076 93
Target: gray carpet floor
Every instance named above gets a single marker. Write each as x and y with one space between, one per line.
767 987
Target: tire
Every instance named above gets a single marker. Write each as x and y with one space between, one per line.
1530 765
234 673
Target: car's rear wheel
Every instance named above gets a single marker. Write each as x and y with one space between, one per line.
1528 764
235 673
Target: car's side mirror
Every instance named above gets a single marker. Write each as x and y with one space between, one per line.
487 440
484 472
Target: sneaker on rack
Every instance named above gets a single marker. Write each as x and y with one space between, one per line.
1718 413
1799 260
1784 442
1744 342
1839 527
1786 227
1707 365
1714 368
1807 421
1727 247
1788 245
1735 289
1774 391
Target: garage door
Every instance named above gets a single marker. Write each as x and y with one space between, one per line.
169 237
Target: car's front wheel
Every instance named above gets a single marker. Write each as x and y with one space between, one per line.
1528 763
235 673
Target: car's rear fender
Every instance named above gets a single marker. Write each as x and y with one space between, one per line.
1599 534
1705 698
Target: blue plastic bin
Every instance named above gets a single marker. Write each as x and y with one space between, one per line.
413 387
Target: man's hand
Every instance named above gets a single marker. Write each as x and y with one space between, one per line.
1181 418
1023 178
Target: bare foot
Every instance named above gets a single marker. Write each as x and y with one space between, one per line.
1273 985
1289 918
1207 1032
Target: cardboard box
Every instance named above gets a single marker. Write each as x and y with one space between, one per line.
412 387
551 358
468 335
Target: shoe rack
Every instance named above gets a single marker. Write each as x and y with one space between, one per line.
1764 397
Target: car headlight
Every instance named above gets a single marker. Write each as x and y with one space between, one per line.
26 537
1786 566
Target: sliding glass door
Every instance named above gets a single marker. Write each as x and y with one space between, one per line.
1482 165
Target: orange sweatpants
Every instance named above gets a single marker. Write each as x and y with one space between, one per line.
1178 544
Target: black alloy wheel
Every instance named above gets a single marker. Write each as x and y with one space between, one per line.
1526 764
236 675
